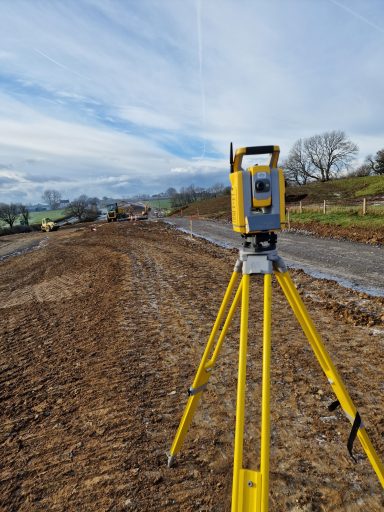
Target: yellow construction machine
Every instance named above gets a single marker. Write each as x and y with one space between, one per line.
48 224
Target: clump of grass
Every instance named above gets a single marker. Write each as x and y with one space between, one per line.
375 186
347 218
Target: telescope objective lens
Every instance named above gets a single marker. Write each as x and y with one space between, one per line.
262 186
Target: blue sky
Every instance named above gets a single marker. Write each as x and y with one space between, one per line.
112 98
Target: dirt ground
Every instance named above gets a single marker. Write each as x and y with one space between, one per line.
372 236
14 245
101 333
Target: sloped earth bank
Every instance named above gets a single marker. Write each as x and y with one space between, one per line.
373 236
101 333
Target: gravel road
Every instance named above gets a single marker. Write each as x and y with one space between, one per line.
353 265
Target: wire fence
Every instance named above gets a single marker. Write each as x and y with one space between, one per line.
353 207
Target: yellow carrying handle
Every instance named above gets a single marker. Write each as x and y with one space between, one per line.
274 151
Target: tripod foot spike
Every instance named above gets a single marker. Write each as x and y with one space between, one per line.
171 460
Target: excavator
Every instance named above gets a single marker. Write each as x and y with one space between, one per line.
127 211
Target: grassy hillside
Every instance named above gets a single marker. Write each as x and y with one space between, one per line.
214 208
347 189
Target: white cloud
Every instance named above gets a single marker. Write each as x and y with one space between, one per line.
139 93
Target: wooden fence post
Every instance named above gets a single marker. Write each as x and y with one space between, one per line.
364 206
288 218
324 207
301 207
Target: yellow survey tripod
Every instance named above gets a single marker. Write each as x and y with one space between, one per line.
258 256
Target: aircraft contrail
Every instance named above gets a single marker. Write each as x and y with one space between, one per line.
358 16
58 63
200 52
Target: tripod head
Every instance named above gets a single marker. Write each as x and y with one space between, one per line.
257 196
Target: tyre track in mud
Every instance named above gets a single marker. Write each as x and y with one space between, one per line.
98 349
158 386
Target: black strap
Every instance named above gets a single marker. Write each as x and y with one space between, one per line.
333 405
355 428
353 434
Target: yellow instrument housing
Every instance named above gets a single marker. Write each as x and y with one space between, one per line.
237 202
257 193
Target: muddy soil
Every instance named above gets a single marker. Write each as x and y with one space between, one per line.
372 236
101 332
14 245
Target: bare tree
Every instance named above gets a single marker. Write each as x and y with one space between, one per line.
24 212
78 207
372 165
379 162
217 189
320 157
93 200
52 197
9 213
170 192
82 208
362 170
297 168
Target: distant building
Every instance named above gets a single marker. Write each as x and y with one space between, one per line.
38 207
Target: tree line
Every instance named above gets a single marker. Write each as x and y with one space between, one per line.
191 194
327 156
9 213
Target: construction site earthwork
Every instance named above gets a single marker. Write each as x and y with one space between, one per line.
102 328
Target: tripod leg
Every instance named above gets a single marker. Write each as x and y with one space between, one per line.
250 488
328 368
238 475
204 371
265 403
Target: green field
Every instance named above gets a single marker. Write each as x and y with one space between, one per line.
162 203
36 217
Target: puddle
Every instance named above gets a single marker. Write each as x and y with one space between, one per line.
32 247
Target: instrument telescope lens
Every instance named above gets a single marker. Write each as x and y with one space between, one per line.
260 186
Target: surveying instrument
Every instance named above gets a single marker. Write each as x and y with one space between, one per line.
258 210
